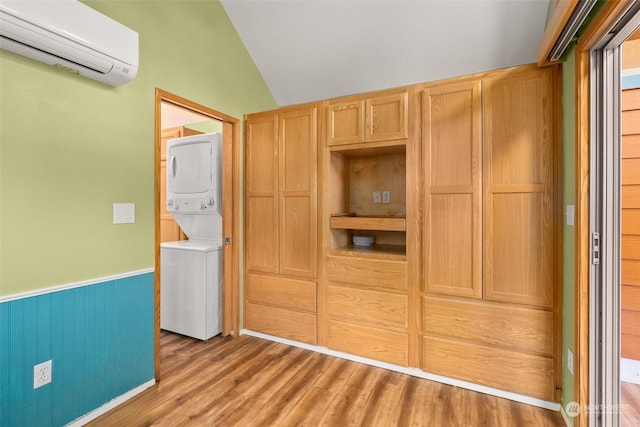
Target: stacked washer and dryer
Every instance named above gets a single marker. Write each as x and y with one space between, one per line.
191 270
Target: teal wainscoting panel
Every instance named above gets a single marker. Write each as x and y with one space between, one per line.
99 338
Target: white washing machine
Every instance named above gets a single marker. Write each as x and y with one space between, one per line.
191 270
191 288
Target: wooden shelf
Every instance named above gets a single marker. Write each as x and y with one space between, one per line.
391 252
379 223
366 149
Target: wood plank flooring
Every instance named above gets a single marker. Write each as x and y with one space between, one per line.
248 381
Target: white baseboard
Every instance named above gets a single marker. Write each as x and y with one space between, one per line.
565 417
411 371
111 404
630 370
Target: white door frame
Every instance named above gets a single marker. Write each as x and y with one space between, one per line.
605 208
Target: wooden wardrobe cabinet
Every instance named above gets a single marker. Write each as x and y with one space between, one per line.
452 176
490 306
281 223
357 119
463 280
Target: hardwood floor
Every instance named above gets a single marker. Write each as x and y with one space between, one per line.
248 381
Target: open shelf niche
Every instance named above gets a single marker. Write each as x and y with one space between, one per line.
355 175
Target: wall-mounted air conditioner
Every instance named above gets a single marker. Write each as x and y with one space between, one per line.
72 36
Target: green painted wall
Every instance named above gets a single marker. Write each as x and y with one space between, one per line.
208 126
568 138
71 147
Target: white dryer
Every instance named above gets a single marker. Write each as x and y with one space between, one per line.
191 270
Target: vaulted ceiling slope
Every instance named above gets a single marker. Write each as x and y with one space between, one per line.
309 50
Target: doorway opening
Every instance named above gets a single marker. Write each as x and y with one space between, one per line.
172 113
602 173
630 229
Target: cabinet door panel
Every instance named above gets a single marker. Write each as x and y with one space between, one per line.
262 156
261 195
386 117
451 247
298 165
519 270
345 123
518 188
297 245
262 235
452 159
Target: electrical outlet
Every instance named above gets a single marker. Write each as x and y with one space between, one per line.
386 197
42 374
376 197
570 360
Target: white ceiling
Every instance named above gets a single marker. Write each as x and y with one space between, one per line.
309 50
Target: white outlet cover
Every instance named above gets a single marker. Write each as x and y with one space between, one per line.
570 360
42 374
386 197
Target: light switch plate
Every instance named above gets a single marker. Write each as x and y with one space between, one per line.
570 215
124 213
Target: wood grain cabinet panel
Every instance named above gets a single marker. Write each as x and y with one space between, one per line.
452 152
386 117
368 119
293 325
281 292
522 373
512 327
518 166
367 272
298 188
345 123
365 306
261 204
374 343
281 222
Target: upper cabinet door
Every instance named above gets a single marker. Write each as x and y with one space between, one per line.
345 123
452 133
518 187
386 117
379 118
298 199
261 175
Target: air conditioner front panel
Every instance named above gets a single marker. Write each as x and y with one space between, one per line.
46 41
78 23
72 36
